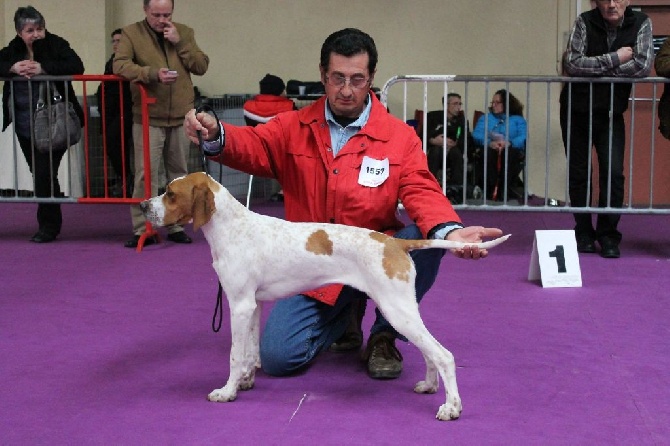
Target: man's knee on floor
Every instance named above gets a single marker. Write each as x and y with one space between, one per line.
275 362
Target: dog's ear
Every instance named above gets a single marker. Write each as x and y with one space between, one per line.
203 205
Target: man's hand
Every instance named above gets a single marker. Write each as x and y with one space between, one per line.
625 54
167 76
203 122
472 234
171 34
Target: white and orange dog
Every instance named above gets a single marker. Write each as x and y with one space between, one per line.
256 258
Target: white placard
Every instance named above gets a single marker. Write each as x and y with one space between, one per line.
373 172
554 259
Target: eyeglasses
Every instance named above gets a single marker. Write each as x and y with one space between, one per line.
610 1
496 102
339 81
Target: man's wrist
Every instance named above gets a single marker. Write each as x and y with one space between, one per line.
215 146
440 231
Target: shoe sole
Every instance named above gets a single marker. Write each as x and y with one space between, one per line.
386 374
610 256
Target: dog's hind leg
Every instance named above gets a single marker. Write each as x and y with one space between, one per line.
431 383
402 312
243 317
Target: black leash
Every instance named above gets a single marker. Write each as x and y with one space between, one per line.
218 309
205 108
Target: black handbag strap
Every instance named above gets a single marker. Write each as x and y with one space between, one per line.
55 95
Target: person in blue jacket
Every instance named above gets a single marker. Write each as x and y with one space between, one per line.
502 131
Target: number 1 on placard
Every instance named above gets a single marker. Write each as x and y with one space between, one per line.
559 255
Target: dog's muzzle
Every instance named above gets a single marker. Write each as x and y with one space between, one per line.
150 212
145 206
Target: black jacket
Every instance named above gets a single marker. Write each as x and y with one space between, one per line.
56 57
596 44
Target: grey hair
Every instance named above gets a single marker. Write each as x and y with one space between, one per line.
26 15
146 3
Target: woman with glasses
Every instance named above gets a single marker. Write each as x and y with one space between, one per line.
503 132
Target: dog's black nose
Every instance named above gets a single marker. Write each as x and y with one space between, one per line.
144 206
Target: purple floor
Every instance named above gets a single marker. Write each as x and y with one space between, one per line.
102 345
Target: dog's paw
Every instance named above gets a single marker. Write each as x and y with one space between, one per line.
425 387
221 395
449 411
246 383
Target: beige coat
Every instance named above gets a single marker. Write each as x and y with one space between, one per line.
140 56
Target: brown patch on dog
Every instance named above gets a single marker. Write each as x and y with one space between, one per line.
395 261
319 243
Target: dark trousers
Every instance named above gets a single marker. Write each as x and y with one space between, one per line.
454 163
44 167
610 162
498 175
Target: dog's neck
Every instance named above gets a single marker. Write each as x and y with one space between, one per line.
227 209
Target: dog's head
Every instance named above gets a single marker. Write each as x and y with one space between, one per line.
186 199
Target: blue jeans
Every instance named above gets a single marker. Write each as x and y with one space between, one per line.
300 327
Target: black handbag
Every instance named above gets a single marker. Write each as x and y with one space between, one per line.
56 125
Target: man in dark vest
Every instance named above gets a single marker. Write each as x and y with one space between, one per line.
611 40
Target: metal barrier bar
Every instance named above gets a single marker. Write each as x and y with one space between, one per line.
85 164
545 172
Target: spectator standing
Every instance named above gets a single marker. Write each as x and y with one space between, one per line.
32 52
118 126
662 65
162 55
611 40
343 159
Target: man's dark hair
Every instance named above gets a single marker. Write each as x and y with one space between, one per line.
25 15
116 31
453 95
349 42
515 106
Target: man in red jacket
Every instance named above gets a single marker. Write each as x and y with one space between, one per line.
343 159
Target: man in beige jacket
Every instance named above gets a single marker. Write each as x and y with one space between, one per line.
161 55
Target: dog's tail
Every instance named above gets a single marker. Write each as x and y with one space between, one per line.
449 244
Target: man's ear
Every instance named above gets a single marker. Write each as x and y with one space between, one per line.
323 74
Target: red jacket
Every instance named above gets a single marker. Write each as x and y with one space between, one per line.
295 149
264 107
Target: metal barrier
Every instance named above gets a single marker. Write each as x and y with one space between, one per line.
85 173
545 168
87 176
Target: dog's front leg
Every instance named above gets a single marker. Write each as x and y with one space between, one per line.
242 359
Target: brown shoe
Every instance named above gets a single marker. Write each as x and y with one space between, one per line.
352 339
384 359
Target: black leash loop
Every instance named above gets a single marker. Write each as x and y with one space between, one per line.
205 108
218 309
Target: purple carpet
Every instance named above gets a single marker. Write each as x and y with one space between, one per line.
101 345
